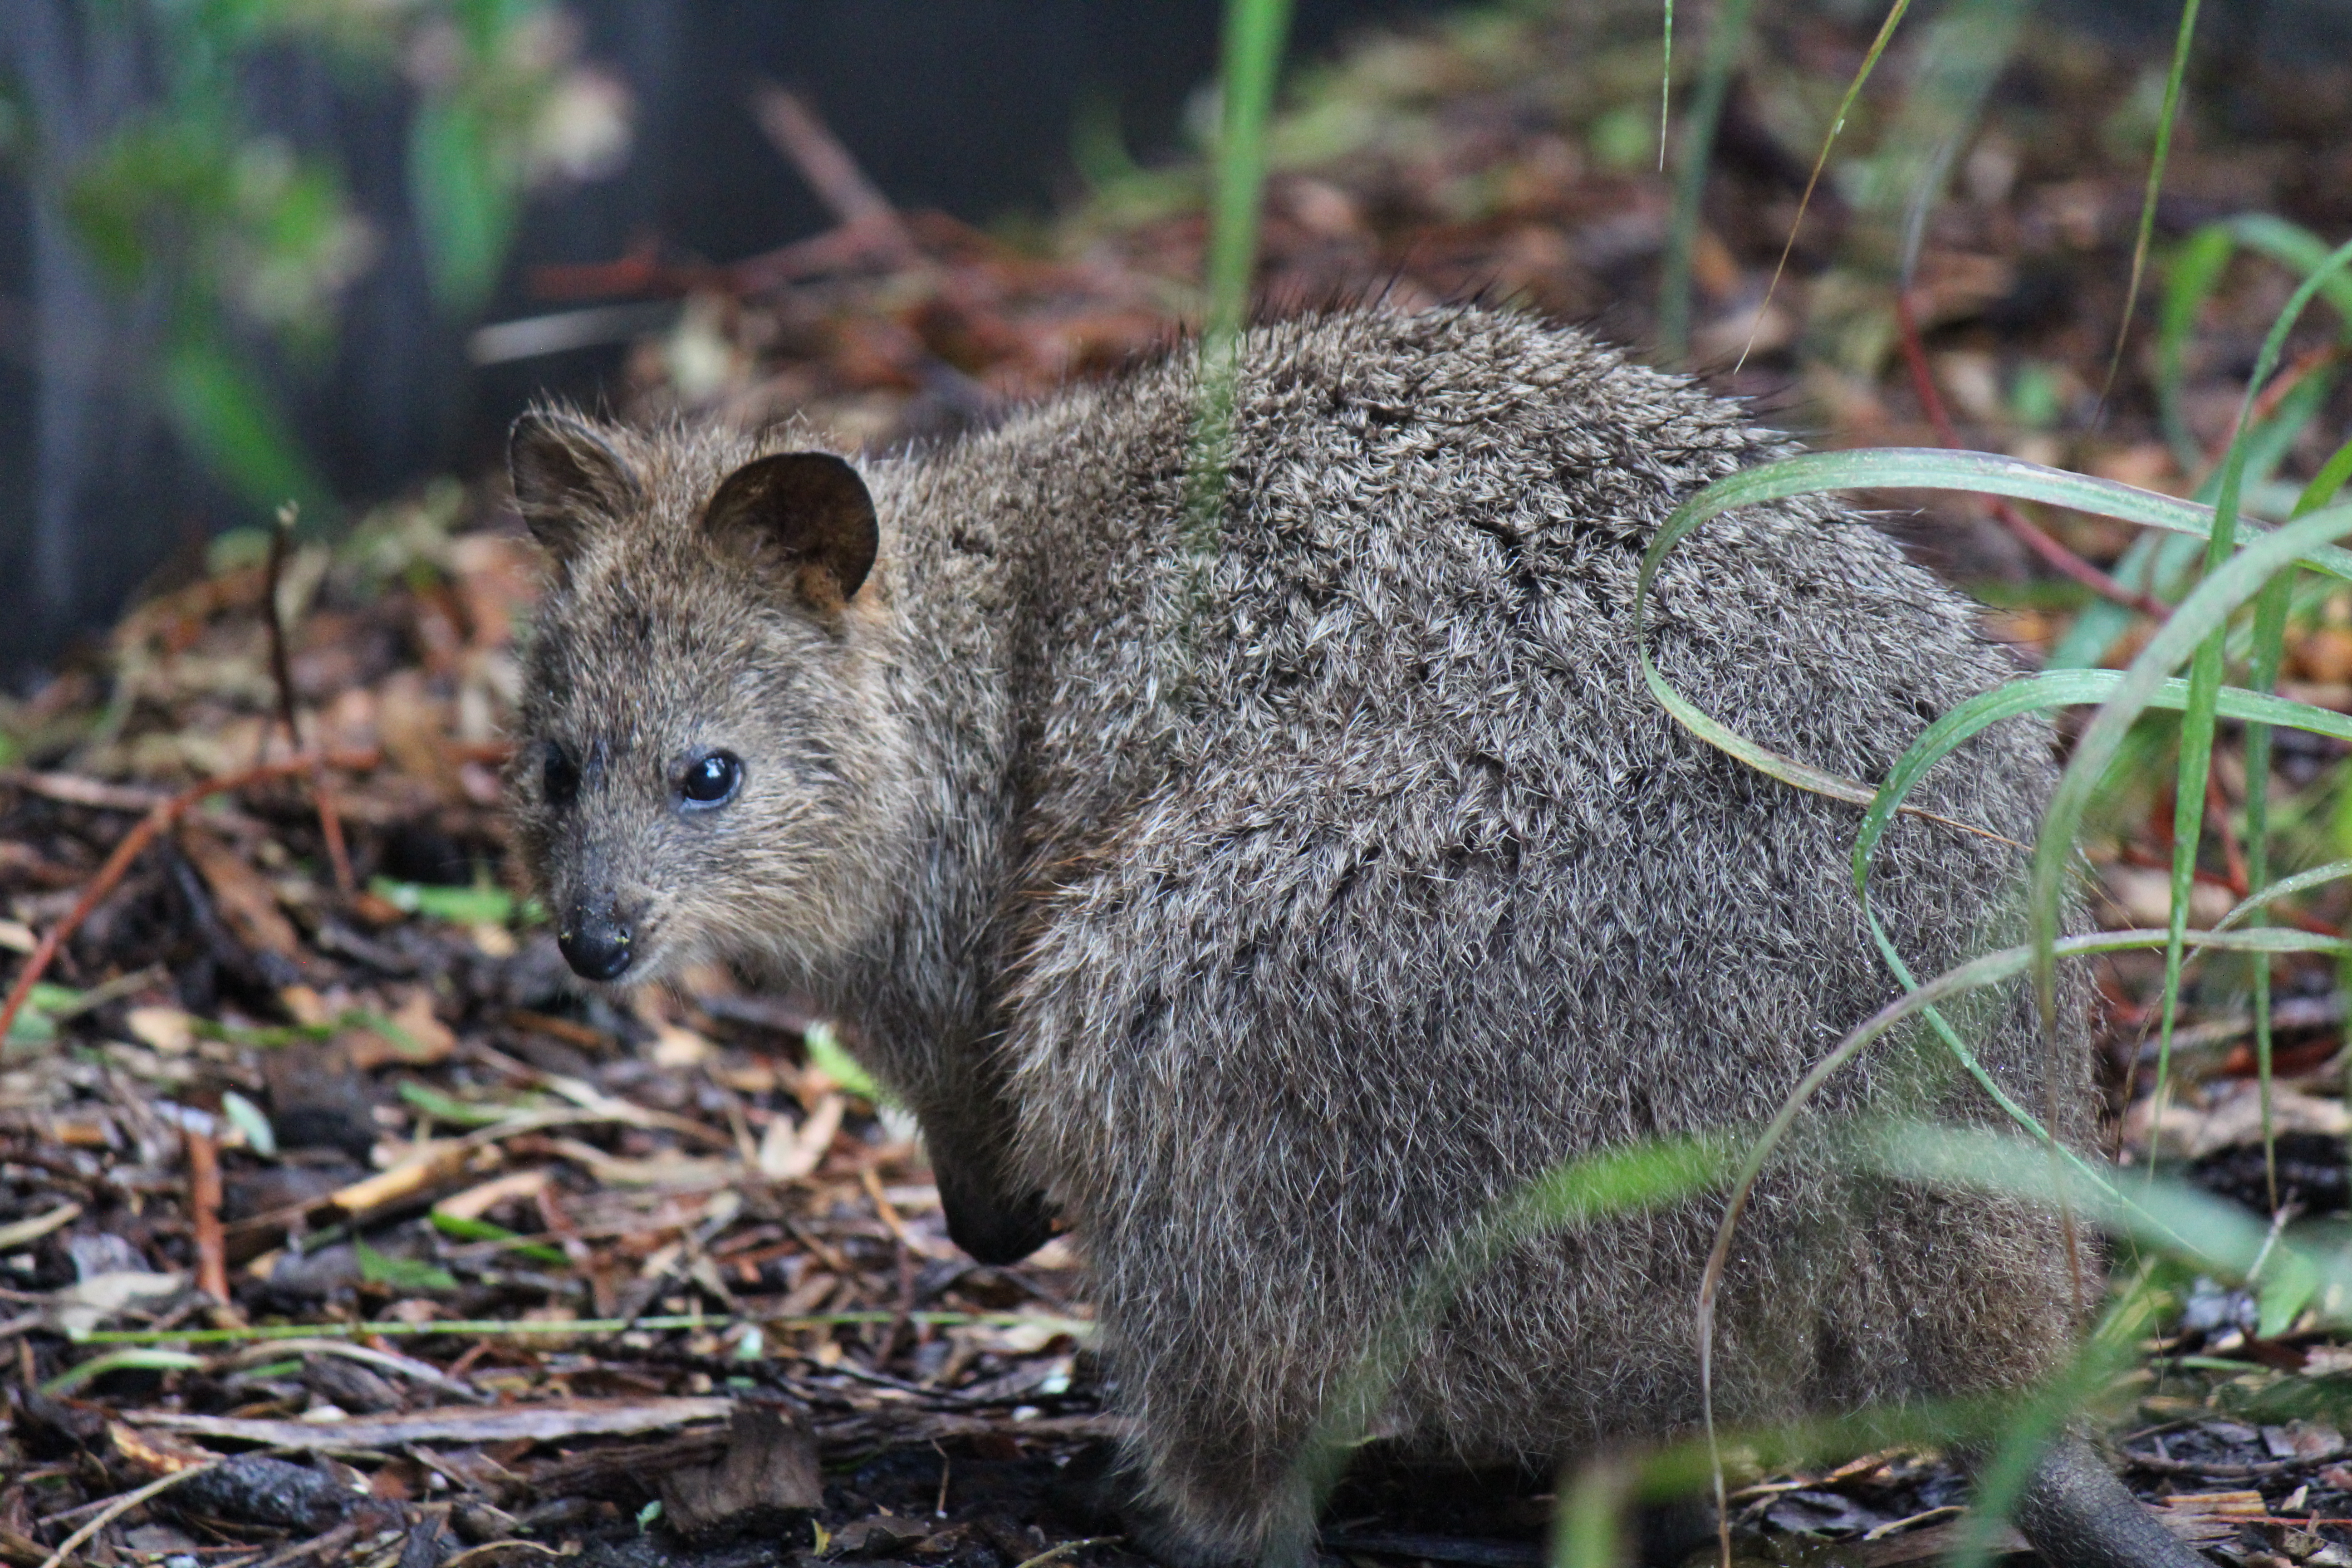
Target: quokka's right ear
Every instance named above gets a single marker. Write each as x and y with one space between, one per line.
566 478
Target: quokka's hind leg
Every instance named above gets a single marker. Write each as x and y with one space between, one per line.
1204 1492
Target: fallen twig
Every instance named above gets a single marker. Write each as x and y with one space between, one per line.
866 214
203 1214
475 1328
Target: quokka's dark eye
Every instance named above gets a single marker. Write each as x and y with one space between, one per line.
711 779
559 779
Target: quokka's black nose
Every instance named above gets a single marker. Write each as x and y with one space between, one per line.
596 946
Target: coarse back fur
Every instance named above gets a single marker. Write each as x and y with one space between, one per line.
1269 917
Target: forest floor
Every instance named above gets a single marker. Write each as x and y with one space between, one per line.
311 1154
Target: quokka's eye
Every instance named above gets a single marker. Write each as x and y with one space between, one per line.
711 779
559 778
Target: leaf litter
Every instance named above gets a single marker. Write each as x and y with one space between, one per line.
335 1225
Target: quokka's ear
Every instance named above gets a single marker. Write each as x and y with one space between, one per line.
566 478
804 517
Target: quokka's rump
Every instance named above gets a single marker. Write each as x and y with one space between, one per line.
1268 916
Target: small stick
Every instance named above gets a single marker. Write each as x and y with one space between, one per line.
203 1214
163 816
795 130
2287 380
2217 806
2027 532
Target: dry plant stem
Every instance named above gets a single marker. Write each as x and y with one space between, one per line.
162 816
2026 532
204 1214
2234 856
1814 180
2306 365
796 131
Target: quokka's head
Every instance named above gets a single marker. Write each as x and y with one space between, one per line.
708 763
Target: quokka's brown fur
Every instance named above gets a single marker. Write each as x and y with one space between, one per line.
1268 918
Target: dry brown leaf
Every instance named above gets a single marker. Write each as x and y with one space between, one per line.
788 1153
423 1039
248 903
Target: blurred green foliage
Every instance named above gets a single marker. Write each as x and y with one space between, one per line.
246 244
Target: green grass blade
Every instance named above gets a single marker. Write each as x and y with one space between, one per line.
2166 118
1591 1529
2266 894
1837 124
2199 614
2333 476
2196 272
2298 250
1254 34
1934 469
2205 682
1724 43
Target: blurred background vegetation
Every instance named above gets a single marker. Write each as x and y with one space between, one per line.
244 243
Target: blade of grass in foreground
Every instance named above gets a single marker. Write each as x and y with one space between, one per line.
2205 681
1988 970
2269 651
1255 31
1837 124
2156 161
1895 468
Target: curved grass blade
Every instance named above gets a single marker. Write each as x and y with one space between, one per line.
1991 969
2165 117
1837 124
2206 609
2205 681
1936 468
2298 250
2269 651
2162 566
2285 888
2197 269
